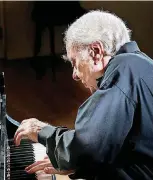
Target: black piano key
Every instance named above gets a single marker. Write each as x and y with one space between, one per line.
18 158
21 174
23 141
20 152
23 158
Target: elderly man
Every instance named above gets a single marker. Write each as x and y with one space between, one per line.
113 135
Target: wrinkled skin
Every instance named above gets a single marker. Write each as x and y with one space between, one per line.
46 166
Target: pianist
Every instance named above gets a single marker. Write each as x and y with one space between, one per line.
113 134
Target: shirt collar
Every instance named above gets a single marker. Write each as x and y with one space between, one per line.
129 47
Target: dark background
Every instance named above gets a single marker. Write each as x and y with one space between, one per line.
55 102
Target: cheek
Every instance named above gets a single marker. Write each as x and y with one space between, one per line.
84 72
87 76
80 70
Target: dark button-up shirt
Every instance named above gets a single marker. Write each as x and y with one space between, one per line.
113 133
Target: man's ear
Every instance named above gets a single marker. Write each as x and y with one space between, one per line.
97 51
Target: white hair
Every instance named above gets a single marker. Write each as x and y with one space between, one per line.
95 26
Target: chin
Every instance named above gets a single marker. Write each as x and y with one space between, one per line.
91 89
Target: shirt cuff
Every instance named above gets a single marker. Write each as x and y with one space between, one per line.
44 133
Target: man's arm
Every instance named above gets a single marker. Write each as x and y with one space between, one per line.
103 122
60 146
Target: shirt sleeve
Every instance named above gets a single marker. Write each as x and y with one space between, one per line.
102 124
60 148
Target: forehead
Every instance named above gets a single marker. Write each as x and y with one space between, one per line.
71 55
76 54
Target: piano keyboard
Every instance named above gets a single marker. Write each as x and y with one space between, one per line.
19 157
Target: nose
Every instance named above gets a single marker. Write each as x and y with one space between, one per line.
75 76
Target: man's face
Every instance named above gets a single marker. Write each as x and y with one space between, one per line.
83 69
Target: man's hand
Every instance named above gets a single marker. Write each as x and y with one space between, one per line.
46 166
29 128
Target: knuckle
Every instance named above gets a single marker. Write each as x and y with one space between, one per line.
25 120
34 119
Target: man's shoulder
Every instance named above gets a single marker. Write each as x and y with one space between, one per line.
125 69
135 58
133 64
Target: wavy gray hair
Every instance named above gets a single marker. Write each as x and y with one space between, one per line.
95 26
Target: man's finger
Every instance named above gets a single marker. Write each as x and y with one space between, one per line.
38 163
33 165
19 136
20 129
36 168
46 157
50 170
24 121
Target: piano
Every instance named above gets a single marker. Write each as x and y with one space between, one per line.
13 159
